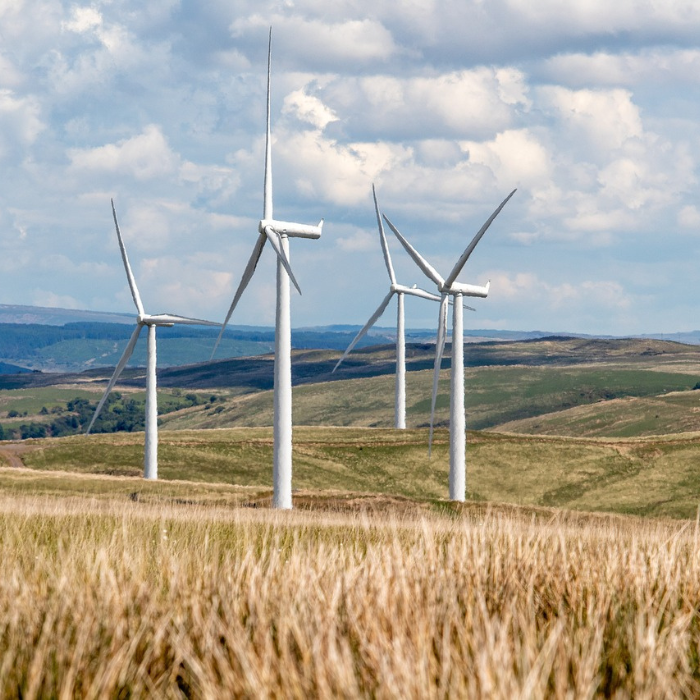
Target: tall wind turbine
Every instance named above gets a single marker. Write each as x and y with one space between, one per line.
150 462
278 233
450 287
399 290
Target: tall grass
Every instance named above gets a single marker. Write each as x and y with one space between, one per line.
99 599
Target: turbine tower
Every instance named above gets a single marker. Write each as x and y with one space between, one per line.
450 287
399 290
278 233
150 462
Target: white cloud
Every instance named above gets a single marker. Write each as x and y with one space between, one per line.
145 156
20 122
309 109
516 157
661 66
689 217
529 288
359 241
83 19
313 41
464 103
42 297
602 119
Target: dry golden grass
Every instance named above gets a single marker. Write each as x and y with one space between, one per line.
99 599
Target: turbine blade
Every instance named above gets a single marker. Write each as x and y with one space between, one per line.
382 238
424 265
129 274
174 318
128 351
267 187
422 294
274 239
366 327
439 349
247 274
470 248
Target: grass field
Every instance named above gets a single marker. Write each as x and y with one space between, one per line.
116 598
652 476
374 585
494 396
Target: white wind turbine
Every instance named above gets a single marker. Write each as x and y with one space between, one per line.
150 462
399 290
278 233
450 287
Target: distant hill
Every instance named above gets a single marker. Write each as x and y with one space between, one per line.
69 340
12 313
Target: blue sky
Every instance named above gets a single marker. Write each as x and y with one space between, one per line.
590 108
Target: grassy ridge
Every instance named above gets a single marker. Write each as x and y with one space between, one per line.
494 396
645 477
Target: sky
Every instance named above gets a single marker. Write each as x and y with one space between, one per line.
590 108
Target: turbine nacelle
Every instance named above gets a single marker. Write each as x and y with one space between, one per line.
292 230
467 290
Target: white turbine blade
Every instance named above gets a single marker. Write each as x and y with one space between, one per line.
470 308
127 267
439 349
422 294
382 238
128 351
366 327
470 248
274 239
174 318
247 274
424 265
267 188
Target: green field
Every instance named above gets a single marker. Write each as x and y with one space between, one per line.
656 477
553 431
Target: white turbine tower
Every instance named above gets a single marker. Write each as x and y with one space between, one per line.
278 233
450 287
399 290
150 462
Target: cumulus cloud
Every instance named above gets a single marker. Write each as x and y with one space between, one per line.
145 156
20 122
463 103
658 66
314 42
589 109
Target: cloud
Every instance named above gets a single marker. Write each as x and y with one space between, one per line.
597 119
531 289
515 157
42 297
306 41
145 156
461 104
689 217
659 66
20 123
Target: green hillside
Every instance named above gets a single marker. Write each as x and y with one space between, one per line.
656 476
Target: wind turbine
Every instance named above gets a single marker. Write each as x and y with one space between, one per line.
150 462
450 287
399 290
278 233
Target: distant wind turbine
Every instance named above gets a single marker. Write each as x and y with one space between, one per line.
450 287
150 466
399 290
278 233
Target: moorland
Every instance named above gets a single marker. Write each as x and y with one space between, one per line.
571 571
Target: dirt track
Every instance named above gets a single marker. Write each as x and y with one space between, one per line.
12 452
